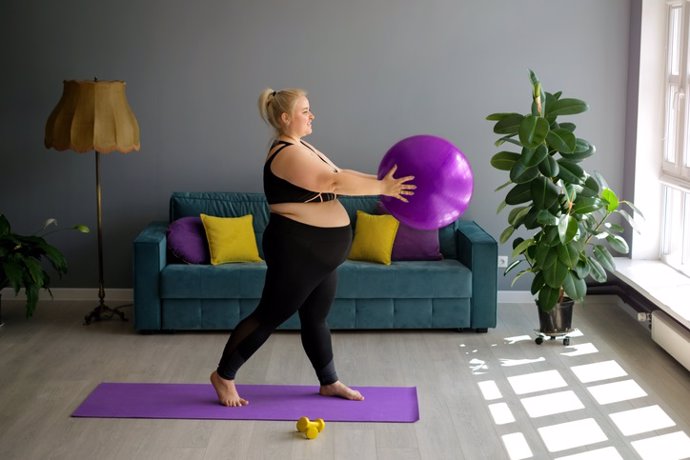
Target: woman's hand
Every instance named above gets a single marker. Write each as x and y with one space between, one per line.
399 187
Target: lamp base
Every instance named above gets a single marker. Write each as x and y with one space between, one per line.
103 312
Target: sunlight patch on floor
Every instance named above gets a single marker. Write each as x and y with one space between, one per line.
536 381
548 396
516 446
564 436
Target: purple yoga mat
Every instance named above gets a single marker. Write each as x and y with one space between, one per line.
266 402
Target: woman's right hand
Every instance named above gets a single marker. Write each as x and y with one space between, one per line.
399 187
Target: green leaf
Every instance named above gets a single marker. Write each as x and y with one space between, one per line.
545 256
613 227
504 161
596 271
635 210
569 254
509 138
533 131
555 274
505 234
590 188
548 298
532 157
519 194
521 173
522 247
567 126
517 215
549 167
14 273
561 140
499 116
31 299
82 228
604 257
537 283
570 172
567 228
586 205
583 149
530 221
35 270
543 192
512 265
510 124
610 198
574 287
628 218
503 185
501 206
567 106
545 218
618 244
582 268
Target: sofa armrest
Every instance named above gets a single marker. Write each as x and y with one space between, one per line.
150 257
478 251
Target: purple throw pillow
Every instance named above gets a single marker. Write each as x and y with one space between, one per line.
414 244
187 240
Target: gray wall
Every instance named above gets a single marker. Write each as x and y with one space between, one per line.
376 70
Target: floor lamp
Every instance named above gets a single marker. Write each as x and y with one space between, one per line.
94 115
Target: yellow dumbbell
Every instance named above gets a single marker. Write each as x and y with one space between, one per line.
310 429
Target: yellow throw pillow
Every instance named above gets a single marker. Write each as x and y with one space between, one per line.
230 239
374 238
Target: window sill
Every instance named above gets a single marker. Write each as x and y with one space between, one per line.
667 288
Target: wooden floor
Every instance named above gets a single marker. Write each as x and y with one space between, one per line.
481 396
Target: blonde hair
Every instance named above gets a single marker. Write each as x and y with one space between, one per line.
272 104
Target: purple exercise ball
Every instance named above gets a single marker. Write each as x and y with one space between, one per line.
443 177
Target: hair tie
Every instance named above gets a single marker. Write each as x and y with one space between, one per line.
274 93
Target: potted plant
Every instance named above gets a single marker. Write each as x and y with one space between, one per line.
568 212
21 258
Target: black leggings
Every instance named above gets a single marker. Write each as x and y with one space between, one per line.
301 276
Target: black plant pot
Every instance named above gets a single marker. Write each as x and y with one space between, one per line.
557 321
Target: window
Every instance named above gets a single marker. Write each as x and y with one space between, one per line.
675 244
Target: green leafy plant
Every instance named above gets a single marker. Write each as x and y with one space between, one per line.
568 211
21 260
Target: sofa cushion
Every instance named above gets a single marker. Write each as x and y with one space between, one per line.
412 243
230 239
374 237
408 279
365 280
226 281
187 240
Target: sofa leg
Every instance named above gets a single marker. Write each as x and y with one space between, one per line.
476 329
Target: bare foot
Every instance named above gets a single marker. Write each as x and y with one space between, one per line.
341 390
226 391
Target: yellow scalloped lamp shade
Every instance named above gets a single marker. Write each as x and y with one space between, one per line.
93 115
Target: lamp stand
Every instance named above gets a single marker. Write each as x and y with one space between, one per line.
102 311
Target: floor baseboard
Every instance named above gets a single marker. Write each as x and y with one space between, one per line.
127 295
116 295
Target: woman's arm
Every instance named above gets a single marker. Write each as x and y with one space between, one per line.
299 166
352 171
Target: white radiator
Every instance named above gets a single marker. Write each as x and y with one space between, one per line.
672 337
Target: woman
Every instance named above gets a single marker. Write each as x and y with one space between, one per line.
308 236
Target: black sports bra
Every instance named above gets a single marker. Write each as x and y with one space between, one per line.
278 190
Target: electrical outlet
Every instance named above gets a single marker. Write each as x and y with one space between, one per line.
502 261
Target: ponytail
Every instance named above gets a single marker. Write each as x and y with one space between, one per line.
272 104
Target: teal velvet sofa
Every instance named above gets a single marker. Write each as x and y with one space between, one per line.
458 292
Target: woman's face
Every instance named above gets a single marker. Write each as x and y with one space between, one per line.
298 123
